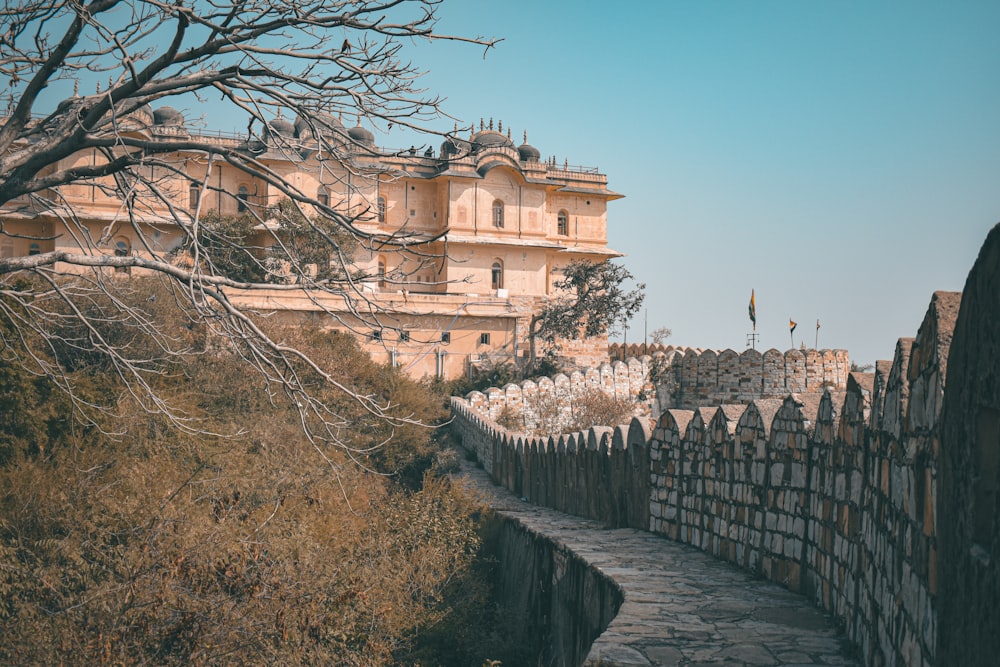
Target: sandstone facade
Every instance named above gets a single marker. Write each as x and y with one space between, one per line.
488 225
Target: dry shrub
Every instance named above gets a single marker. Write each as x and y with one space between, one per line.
159 547
545 414
231 552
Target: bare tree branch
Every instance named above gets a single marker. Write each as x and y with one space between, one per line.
147 172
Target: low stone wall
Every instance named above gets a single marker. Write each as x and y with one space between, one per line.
566 603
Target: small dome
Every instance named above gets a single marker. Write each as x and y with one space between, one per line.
302 127
281 127
490 139
324 123
455 147
528 153
361 135
168 116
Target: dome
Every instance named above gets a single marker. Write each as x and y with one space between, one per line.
455 147
168 116
325 123
528 153
302 127
490 139
281 127
361 135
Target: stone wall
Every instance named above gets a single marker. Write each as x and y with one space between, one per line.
622 352
827 495
967 461
693 378
685 378
622 380
601 474
582 353
831 496
564 603
880 502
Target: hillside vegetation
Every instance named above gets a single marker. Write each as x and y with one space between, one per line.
231 538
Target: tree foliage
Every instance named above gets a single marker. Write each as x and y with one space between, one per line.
591 300
660 335
312 249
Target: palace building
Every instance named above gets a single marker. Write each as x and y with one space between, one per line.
486 225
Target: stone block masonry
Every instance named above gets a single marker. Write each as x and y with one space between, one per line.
963 461
879 501
673 378
563 392
602 474
690 378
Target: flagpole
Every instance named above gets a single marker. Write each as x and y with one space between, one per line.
817 334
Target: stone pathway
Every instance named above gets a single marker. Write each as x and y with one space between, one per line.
682 607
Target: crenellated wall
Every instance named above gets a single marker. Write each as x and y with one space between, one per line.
832 497
601 474
619 379
684 377
880 501
692 378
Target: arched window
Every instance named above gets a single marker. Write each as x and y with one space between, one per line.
381 272
498 213
562 223
323 197
497 275
242 196
194 193
381 209
34 249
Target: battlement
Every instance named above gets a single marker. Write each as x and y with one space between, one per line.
801 489
690 378
563 392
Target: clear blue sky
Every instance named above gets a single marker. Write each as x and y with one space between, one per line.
841 158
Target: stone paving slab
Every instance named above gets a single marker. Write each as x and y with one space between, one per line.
682 607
